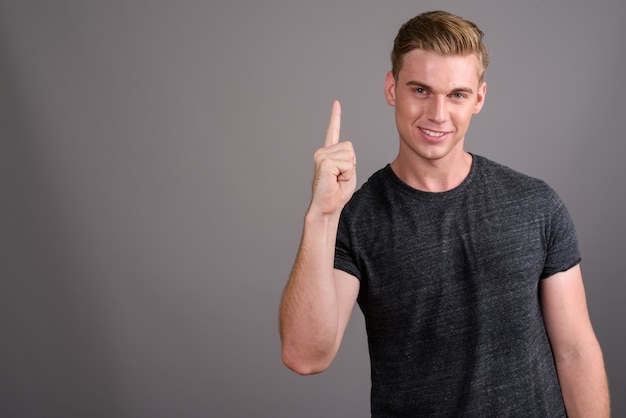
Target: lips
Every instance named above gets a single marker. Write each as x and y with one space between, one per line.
434 134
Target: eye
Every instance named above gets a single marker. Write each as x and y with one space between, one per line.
419 90
458 95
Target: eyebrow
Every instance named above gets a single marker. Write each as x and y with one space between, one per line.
427 87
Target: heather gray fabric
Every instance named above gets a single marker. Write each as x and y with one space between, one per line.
449 290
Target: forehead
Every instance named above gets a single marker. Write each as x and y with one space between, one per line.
445 71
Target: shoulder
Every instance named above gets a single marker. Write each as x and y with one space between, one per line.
500 185
375 198
372 190
495 175
497 172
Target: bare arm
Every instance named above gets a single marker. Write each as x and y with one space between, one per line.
579 360
318 299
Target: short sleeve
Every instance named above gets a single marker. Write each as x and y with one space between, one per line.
562 243
344 258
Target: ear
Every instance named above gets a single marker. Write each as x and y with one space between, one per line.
390 89
480 98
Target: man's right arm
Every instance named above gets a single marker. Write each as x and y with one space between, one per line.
318 299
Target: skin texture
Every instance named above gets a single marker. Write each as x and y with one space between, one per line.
434 98
318 300
577 353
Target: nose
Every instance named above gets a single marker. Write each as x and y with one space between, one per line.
438 109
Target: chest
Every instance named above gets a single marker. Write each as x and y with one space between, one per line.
446 259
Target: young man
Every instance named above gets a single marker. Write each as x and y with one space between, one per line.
466 271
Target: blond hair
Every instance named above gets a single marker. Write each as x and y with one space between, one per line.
443 33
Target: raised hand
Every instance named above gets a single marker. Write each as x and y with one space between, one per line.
335 170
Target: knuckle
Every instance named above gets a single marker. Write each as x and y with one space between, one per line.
319 154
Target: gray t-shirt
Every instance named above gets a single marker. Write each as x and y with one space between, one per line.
450 292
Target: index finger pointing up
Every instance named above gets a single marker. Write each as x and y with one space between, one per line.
334 127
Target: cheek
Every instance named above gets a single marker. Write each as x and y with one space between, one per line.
463 118
410 108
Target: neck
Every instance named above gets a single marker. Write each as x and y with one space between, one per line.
433 176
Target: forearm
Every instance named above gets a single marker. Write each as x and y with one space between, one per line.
309 312
583 383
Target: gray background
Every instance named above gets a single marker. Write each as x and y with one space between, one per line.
155 166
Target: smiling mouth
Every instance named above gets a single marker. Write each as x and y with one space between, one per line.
435 134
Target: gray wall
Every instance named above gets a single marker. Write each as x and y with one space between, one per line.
155 166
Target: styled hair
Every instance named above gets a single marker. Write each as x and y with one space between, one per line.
442 33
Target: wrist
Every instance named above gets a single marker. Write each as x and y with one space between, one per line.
320 218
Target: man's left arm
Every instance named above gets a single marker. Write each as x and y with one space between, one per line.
577 353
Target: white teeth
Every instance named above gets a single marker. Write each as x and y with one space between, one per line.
432 133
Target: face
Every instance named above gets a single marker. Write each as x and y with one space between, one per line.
435 98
